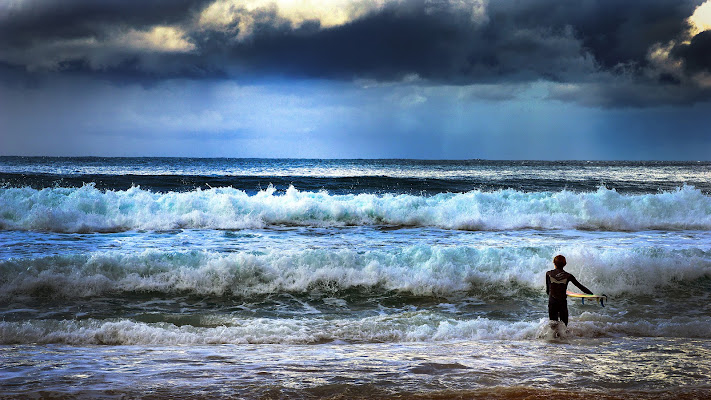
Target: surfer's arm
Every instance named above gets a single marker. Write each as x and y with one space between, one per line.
548 284
579 285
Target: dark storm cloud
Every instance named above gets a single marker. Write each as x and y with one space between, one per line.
436 45
589 42
48 20
614 32
696 54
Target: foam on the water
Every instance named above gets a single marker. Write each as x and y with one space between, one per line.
418 326
88 209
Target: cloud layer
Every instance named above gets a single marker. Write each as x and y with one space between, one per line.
595 52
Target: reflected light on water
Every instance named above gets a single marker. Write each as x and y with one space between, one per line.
640 366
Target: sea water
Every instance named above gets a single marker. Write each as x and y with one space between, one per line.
253 278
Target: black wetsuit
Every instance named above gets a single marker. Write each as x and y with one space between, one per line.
556 285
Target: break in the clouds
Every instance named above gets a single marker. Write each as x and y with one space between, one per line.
598 52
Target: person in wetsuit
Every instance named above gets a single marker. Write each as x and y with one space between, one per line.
556 285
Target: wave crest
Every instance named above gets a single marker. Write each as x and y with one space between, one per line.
88 209
418 270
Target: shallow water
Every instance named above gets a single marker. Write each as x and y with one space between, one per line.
631 367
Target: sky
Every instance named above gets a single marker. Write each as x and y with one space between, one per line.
432 79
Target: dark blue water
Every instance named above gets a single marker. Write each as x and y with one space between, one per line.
352 176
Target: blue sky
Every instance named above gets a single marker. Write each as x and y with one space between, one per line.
462 79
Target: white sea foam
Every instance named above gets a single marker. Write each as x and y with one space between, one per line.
88 209
418 269
407 327
591 324
419 326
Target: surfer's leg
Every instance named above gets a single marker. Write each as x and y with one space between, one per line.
564 313
552 310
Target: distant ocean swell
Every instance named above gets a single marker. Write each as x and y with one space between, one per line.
416 270
87 209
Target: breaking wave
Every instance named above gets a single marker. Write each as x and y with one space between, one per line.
88 209
421 326
420 270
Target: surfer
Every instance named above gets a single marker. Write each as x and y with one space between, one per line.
556 285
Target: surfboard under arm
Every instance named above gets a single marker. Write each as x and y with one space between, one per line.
602 298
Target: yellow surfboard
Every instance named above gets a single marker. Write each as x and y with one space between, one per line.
602 298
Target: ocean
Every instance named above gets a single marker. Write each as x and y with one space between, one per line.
351 279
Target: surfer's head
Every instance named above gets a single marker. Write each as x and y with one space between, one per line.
559 261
